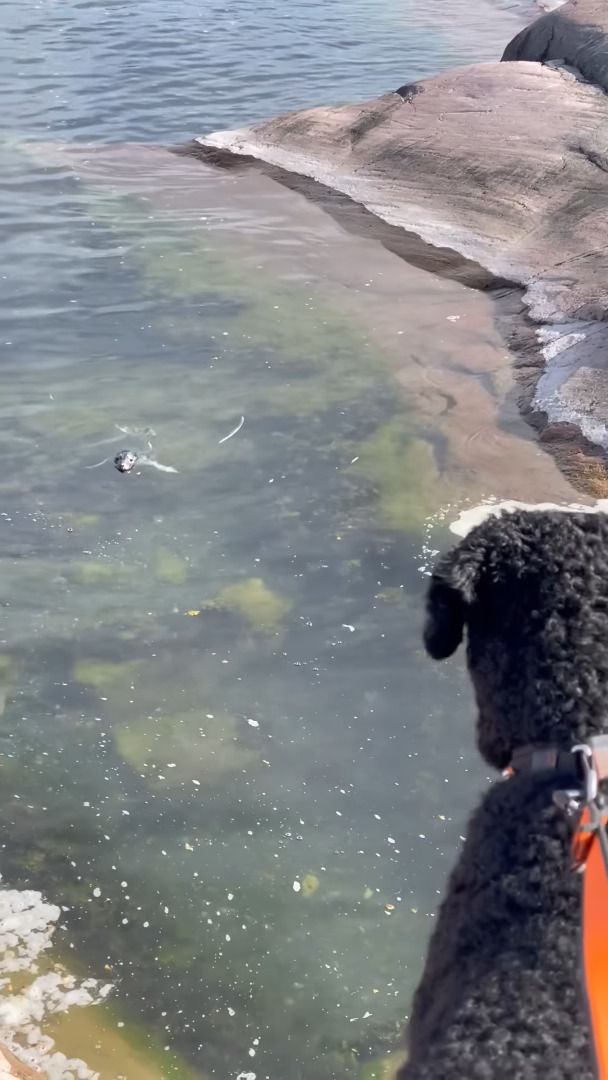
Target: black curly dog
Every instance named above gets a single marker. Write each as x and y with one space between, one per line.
501 994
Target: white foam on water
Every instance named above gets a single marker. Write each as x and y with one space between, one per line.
573 388
27 924
474 515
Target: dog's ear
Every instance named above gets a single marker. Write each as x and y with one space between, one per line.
444 623
450 592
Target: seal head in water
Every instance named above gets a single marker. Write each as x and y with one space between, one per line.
125 460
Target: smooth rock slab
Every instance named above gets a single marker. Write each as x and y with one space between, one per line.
504 163
493 160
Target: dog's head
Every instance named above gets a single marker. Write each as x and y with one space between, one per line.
531 590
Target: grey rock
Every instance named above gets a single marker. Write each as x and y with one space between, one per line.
506 164
575 34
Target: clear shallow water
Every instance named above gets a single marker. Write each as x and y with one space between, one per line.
212 685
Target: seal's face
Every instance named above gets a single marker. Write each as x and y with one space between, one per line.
125 460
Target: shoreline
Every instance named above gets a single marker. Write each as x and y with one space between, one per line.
581 461
494 175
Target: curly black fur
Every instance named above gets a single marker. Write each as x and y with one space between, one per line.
501 997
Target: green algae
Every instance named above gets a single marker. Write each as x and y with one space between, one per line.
322 353
96 573
393 595
99 1036
192 747
82 521
382 1068
309 885
101 675
405 481
169 568
262 607
9 670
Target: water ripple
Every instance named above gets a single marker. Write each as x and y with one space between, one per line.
161 72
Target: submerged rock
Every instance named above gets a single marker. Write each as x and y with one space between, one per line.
500 165
192 748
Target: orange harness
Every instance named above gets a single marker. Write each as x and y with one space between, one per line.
589 761
590 856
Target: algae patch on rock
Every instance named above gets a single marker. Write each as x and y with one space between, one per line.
102 674
170 569
261 606
309 885
95 573
192 747
403 474
8 678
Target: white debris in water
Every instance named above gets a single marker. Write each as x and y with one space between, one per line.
27 923
156 464
246 1076
296 886
254 723
235 430
25 928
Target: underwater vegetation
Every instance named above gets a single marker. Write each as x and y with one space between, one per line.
211 683
199 747
263 608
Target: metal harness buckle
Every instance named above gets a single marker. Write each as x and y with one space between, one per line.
590 802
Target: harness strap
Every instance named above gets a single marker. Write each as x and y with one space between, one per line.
594 934
587 764
590 854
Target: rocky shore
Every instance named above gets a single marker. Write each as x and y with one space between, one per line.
495 174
